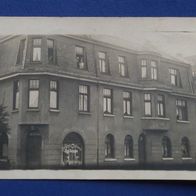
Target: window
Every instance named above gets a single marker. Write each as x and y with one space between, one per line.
127 103
53 94
166 147
83 98
185 147
33 93
104 68
3 145
181 110
160 106
153 65
81 58
147 104
51 51
175 78
128 147
36 50
143 69
16 95
109 146
122 66
21 52
107 101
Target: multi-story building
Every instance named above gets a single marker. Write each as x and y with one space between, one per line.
75 101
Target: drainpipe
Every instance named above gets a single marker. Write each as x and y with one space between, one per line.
25 52
97 108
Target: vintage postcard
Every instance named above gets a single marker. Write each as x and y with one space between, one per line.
98 98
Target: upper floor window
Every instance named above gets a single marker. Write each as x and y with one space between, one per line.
166 147
36 50
16 95
107 101
185 147
33 93
153 70
53 94
175 78
181 110
143 69
103 64
109 146
51 51
21 52
161 105
122 66
128 147
127 103
84 98
147 104
81 58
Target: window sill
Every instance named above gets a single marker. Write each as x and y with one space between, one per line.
168 159
154 118
32 110
183 121
54 110
15 111
126 116
110 159
129 159
84 113
186 158
108 115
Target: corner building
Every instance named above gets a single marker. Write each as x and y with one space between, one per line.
78 102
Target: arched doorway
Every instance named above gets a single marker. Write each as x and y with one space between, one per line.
33 149
73 150
142 148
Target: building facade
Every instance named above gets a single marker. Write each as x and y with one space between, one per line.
78 102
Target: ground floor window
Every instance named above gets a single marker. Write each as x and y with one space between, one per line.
109 146
3 146
128 147
73 150
185 147
166 147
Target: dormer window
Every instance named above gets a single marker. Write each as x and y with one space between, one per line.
103 64
153 70
51 51
122 66
36 56
143 69
175 78
21 52
81 58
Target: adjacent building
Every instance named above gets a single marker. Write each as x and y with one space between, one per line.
78 102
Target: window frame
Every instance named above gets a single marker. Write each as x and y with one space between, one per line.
125 103
36 46
128 144
153 70
100 62
57 94
177 77
107 97
181 108
54 51
148 101
166 145
158 105
84 56
143 65
16 89
185 141
33 89
124 64
83 95
109 146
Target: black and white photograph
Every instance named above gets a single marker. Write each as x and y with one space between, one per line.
98 95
